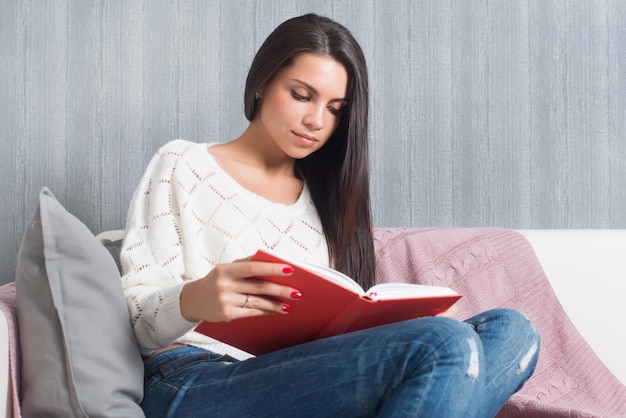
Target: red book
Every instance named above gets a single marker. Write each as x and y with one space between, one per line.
331 304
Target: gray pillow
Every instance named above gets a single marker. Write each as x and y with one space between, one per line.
79 357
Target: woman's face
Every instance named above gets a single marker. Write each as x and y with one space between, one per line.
301 106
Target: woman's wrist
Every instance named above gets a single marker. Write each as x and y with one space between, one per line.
187 301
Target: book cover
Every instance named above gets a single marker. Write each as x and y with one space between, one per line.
331 304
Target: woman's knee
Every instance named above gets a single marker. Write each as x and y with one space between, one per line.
509 331
505 321
453 343
439 331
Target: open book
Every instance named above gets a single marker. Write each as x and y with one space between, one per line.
331 304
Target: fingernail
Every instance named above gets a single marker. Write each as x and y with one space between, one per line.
286 308
287 270
295 295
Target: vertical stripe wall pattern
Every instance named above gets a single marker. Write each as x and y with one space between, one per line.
483 113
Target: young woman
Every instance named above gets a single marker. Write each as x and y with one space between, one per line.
295 182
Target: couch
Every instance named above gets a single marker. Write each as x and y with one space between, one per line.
585 268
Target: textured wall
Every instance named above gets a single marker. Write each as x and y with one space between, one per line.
500 113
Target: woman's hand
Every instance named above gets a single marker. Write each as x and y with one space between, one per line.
228 292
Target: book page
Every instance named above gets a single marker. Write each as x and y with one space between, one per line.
406 290
337 276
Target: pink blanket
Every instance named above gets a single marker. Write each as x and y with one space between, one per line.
7 305
498 268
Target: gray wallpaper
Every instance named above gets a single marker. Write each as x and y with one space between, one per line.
484 113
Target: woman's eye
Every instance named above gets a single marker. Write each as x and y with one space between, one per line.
298 96
334 110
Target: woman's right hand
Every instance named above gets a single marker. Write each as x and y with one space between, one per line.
229 292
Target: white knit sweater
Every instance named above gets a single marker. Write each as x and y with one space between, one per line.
187 215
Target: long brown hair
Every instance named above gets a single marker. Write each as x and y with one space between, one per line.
338 174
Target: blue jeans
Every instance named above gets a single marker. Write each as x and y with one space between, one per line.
427 367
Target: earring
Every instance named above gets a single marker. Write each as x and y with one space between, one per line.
256 96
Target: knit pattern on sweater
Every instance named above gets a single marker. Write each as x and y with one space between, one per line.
188 215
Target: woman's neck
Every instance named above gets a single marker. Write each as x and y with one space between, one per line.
260 167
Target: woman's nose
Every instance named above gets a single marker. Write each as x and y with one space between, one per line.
314 119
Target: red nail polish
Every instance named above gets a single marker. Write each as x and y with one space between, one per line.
287 270
296 295
286 308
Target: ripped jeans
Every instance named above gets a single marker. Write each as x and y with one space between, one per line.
428 367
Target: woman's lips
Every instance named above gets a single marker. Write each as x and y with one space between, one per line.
306 139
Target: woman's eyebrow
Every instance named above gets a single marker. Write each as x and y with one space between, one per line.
314 90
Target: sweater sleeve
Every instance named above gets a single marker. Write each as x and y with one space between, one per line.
152 254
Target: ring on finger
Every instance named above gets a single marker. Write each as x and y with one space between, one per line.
246 302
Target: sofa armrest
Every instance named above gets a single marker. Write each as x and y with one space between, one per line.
6 404
587 270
